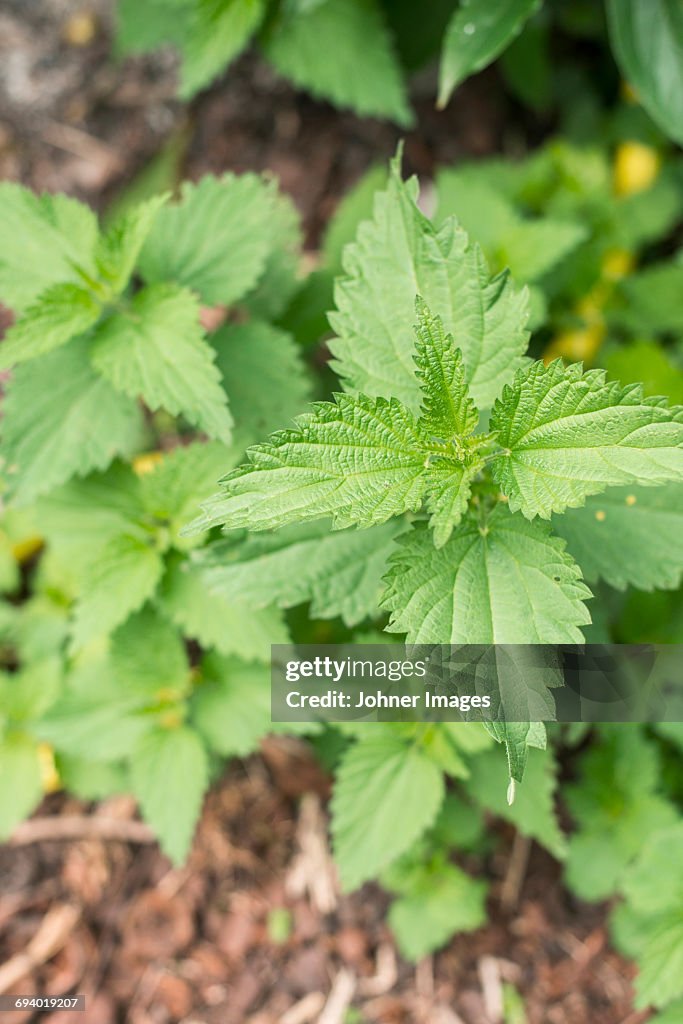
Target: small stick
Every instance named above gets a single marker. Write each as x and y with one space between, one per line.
339 999
305 1011
491 987
54 930
40 830
516 871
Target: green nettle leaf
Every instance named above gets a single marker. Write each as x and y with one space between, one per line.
173 491
441 902
62 420
387 793
125 574
58 314
81 517
318 50
230 626
148 656
447 409
339 572
147 26
568 434
119 247
527 248
647 39
216 239
615 806
475 36
217 33
358 459
231 707
517 737
20 781
629 536
398 254
499 579
171 761
654 894
280 278
264 375
51 238
157 350
533 810
363 460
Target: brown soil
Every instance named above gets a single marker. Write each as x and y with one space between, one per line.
243 935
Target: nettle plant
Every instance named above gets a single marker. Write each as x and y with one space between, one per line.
118 418
135 638
452 450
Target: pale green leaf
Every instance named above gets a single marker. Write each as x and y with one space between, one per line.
148 656
387 793
448 496
360 460
533 809
147 26
62 420
119 247
218 31
231 706
319 50
280 278
123 577
500 579
447 411
216 239
528 248
660 976
567 434
355 207
443 903
264 375
654 884
21 784
156 350
48 239
398 255
647 39
517 738
476 34
81 517
230 626
339 572
169 774
628 536
58 314
176 486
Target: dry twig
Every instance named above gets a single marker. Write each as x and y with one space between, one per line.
69 827
55 929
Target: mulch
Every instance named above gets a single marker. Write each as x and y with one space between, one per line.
244 934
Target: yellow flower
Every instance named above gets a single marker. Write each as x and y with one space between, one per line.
636 167
147 462
48 769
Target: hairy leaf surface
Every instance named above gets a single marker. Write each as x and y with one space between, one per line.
503 580
568 434
157 350
400 254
